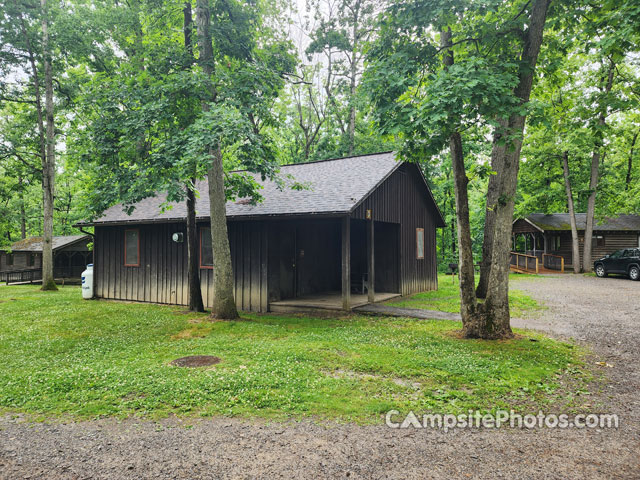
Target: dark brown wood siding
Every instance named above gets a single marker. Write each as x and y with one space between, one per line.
404 199
20 261
612 241
278 259
162 274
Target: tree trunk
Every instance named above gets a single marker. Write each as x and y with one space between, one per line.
630 161
193 270
48 167
23 215
575 243
489 220
495 316
352 87
224 305
468 304
195 292
593 181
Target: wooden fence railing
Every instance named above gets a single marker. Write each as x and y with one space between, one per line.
521 262
553 262
35 274
19 276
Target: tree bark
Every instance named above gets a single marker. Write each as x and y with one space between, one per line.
193 271
48 167
195 292
489 219
630 161
224 305
575 243
353 80
593 180
495 316
468 303
23 215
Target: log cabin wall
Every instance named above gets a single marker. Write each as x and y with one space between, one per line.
161 276
403 199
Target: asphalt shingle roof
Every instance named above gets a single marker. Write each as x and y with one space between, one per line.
332 187
561 221
34 244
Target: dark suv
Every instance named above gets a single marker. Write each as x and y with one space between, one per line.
625 261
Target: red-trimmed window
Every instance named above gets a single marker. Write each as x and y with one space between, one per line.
132 247
419 243
206 252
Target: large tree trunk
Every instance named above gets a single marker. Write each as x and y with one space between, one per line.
193 270
468 303
593 180
224 305
575 243
494 317
489 220
48 167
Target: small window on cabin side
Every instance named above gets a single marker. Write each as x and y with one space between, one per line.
31 259
206 252
555 243
419 243
9 259
598 241
132 248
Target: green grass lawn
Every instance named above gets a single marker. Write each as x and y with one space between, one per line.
63 355
447 297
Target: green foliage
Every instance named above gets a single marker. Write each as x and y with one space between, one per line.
95 358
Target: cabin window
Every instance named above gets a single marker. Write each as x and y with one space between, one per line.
9 259
555 243
206 252
598 241
419 243
132 248
31 259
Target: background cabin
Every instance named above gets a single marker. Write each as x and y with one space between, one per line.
362 229
71 255
540 233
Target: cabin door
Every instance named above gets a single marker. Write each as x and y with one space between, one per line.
288 239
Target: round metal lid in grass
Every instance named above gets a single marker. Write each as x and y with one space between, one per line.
196 361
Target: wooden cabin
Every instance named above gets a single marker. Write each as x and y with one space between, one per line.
71 255
362 229
540 233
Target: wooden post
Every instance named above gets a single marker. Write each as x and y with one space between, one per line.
346 263
371 262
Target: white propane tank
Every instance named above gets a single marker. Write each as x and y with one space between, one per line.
87 282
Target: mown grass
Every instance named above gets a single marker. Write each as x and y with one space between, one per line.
61 355
447 297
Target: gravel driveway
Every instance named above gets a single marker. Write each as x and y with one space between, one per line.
604 313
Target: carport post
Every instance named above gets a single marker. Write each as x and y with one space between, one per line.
370 261
346 263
